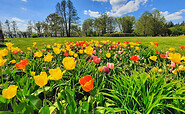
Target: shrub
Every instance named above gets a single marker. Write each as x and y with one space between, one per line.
119 34
34 35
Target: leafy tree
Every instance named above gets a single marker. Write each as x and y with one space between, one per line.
68 13
14 29
126 23
29 28
8 30
38 28
1 33
87 27
143 24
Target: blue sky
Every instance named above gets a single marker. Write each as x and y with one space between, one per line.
37 10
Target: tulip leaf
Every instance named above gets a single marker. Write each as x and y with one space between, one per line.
2 99
6 112
45 110
40 90
36 101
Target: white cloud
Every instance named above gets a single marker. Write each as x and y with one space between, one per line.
24 0
153 9
17 19
85 12
101 0
24 9
92 13
121 7
173 16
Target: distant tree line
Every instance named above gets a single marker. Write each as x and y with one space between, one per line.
65 23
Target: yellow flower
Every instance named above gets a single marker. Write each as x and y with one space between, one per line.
15 49
32 73
41 80
9 45
152 43
89 50
48 57
81 51
176 58
175 71
56 74
69 63
155 69
10 92
38 54
34 43
12 61
153 58
100 68
160 70
48 46
3 52
75 55
2 61
71 53
172 49
137 48
28 48
57 50
108 55
181 68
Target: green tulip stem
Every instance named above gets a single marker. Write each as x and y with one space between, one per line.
1 75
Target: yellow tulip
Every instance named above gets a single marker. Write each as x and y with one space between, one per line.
32 73
176 58
10 92
2 61
38 54
12 61
48 57
137 48
181 68
3 52
9 45
153 58
69 63
100 68
160 70
56 74
81 51
108 55
89 50
172 49
48 46
75 55
41 80
57 50
71 53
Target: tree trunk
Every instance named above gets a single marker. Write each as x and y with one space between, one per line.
1 36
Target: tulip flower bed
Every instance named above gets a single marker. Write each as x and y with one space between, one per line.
92 77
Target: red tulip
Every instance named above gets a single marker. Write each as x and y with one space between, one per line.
96 59
87 83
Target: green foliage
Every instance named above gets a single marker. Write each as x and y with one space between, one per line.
119 35
34 35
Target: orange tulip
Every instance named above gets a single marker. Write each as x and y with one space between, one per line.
87 83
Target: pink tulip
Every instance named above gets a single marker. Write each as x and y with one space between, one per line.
119 52
171 69
15 52
116 55
109 49
173 64
36 48
110 65
21 52
167 54
94 52
113 48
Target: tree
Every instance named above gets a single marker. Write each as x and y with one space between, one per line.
87 27
29 28
14 29
38 28
1 33
8 31
157 22
53 21
143 24
68 13
126 23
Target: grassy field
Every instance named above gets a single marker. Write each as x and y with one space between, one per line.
164 42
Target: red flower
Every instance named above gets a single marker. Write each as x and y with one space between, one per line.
66 54
163 56
156 43
139 42
134 58
182 47
127 42
22 64
87 83
157 52
118 42
96 59
77 44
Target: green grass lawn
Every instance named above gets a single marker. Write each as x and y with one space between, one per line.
164 42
